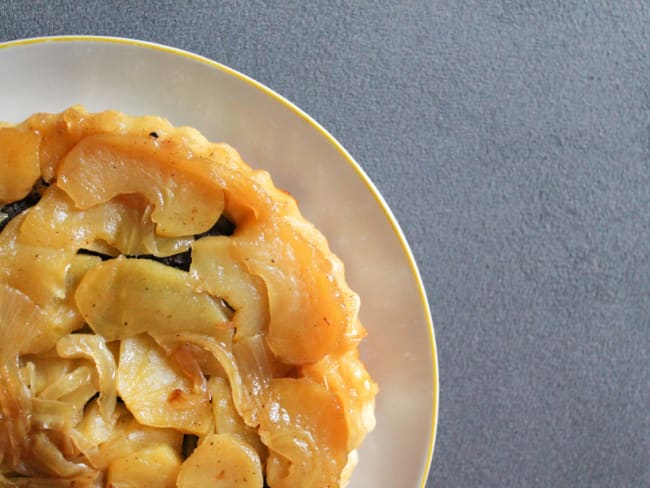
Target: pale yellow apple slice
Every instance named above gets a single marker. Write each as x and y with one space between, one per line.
153 467
221 461
123 297
155 390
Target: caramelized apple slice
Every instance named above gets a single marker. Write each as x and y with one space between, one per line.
123 297
24 326
123 223
346 377
47 457
94 348
156 392
219 274
16 409
154 467
19 164
222 461
94 429
304 427
222 353
103 442
227 420
188 200
56 140
307 306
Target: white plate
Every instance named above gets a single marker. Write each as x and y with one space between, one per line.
51 74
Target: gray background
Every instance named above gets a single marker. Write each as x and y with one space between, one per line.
512 141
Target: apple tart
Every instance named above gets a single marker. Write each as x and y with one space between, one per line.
168 316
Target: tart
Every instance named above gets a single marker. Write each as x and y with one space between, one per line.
169 316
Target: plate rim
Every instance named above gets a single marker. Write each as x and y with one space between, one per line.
388 213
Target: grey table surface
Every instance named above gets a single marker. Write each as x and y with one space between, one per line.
512 141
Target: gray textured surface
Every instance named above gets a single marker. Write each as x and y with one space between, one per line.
512 140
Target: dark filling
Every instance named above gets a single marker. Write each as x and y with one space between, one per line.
189 444
223 227
179 261
88 252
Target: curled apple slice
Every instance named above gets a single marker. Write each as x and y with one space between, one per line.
221 275
155 390
308 306
304 427
23 325
345 376
93 347
187 198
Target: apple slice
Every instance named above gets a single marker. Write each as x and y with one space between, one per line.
304 427
222 461
155 390
122 297
19 163
187 196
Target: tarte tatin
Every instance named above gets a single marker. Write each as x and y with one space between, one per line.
167 316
